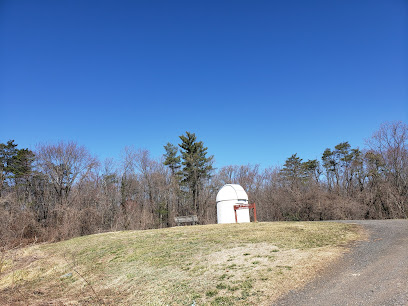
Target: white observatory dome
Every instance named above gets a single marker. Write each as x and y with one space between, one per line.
228 196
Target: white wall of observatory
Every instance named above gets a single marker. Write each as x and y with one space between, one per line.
228 196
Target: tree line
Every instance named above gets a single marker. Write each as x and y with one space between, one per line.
61 190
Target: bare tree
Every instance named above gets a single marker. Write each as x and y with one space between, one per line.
145 187
389 152
65 163
391 142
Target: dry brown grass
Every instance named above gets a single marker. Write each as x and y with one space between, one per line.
211 264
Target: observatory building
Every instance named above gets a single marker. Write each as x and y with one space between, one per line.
228 196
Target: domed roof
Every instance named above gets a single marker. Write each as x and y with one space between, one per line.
231 192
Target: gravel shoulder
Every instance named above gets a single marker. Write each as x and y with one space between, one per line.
374 272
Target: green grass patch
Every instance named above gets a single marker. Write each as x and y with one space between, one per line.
221 286
211 293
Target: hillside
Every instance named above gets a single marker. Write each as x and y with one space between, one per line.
210 264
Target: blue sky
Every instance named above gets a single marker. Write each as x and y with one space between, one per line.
255 80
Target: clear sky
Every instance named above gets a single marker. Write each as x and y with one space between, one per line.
255 80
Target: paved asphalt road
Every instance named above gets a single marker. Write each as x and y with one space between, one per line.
374 272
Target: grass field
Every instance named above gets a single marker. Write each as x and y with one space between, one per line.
240 264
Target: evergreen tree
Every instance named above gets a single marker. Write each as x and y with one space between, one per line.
15 165
171 158
7 153
344 167
312 169
330 165
22 163
196 165
293 171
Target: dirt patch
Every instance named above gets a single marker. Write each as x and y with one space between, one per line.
266 267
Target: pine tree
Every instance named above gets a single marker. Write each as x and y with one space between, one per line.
15 164
22 163
171 158
330 165
7 153
312 169
293 171
196 165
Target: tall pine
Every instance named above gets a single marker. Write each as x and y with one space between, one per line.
197 167
172 160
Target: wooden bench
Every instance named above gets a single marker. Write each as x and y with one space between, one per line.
186 219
